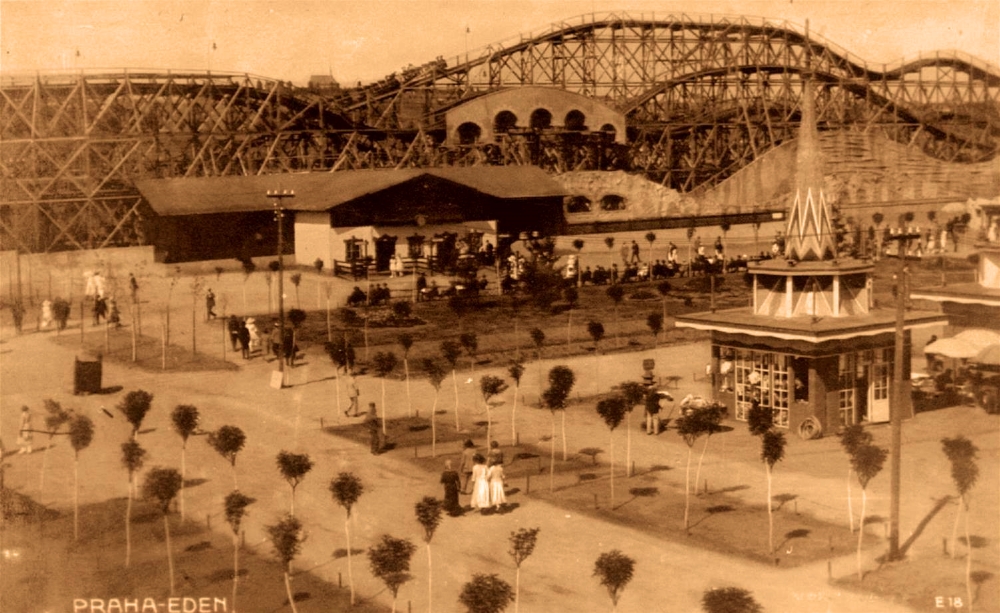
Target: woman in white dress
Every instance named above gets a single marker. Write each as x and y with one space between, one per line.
254 334
496 479
480 484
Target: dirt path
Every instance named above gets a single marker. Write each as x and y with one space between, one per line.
559 574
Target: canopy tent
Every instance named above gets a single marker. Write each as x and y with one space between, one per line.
989 355
979 338
953 348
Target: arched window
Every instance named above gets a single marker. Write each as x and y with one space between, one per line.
469 133
609 129
576 121
505 121
541 119
578 204
612 202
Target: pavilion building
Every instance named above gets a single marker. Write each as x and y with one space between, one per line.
812 346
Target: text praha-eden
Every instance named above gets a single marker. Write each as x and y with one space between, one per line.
150 605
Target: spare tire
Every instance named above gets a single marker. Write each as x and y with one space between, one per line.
810 428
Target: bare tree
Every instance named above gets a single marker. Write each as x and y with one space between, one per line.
406 342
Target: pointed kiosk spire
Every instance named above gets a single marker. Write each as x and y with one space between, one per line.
810 228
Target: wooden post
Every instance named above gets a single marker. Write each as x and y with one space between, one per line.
82 321
163 341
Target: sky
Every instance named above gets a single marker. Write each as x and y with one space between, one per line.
364 40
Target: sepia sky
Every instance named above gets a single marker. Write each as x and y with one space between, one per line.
368 39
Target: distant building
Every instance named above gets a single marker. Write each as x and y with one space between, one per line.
323 84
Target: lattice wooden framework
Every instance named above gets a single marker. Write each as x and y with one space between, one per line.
704 96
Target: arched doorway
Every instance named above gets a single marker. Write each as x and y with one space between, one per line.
576 121
469 133
505 121
541 119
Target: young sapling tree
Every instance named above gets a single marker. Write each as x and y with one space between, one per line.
962 454
286 537
470 342
185 420
235 506
616 293
81 433
390 561
561 380
429 511
346 489
633 393
228 441
293 467
384 363
772 450
538 338
486 594
135 406
435 376
615 571
851 438
133 456
55 418
522 545
690 426
711 417
612 411
406 342
516 371
161 485
450 350
490 387
867 461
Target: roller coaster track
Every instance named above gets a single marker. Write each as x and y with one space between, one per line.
703 97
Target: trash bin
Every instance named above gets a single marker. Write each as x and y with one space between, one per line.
87 375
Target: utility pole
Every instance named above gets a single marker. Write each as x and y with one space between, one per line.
279 214
902 237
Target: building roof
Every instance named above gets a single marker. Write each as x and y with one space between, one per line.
783 267
962 293
320 191
818 330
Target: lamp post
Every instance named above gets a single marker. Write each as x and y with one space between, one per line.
902 237
278 199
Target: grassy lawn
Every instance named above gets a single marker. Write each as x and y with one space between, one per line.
45 570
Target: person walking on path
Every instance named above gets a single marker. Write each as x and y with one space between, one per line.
288 347
480 484
243 334
25 435
234 331
653 412
374 431
354 394
497 481
466 464
209 305
100 310
635 253
452 484
495 454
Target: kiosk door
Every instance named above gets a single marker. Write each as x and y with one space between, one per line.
878 392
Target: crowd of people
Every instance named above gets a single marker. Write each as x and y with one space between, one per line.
248 339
